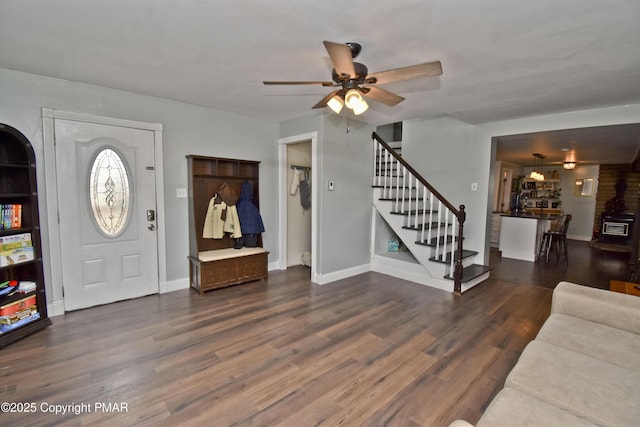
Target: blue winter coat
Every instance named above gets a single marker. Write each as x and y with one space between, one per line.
248 213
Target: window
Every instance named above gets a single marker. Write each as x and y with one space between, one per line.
109 192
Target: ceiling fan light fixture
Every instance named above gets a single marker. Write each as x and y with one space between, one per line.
352 98
336 103
350 75
569 165
360 107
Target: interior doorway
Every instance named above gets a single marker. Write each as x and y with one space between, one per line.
298 202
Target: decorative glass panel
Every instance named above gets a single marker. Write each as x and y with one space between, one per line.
109 192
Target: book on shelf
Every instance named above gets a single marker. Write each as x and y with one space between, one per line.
17 316
19 323
15 249
11 216
22 237
15 306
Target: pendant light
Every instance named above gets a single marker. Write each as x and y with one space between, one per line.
535 175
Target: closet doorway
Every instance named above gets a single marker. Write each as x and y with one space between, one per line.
298 202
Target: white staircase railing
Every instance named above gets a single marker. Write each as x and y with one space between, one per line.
438 223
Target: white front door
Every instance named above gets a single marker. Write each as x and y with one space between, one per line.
107 203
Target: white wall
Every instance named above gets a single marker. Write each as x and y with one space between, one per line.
582 209
188 129
344 217
451 156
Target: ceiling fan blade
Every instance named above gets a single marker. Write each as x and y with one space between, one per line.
382 95
340 55
323 102
429 69
298 83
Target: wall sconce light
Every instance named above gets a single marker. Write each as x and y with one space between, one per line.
569 165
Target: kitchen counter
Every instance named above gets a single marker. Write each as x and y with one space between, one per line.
520 235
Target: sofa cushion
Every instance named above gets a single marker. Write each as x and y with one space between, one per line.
597 305
603 393
593 339
511 408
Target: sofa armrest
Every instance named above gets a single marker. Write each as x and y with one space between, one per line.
460 423
597 305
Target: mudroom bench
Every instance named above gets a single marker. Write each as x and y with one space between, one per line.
214 262
225 267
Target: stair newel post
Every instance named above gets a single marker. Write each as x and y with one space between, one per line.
457 277
452 262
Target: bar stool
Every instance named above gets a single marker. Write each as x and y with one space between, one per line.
557 234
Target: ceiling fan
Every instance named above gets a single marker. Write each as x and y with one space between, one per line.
354 81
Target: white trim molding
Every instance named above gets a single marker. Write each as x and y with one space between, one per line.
282 200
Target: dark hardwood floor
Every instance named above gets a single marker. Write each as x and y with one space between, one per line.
369 350
586 265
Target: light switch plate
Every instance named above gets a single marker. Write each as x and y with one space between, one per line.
181 193
331 185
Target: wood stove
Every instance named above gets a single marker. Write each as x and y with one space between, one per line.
616 228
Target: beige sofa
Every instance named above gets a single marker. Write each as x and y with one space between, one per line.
583 368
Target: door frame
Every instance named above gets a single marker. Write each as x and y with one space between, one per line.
51 235
283 191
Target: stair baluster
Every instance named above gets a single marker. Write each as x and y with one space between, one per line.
424 213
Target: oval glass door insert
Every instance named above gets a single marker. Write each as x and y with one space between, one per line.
109 192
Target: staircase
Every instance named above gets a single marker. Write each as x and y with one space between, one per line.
428 225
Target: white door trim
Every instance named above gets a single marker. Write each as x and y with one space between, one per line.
51 235
283 192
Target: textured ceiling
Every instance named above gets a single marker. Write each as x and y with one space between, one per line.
500 59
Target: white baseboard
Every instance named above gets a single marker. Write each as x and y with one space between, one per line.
577 237
174 285
55 309
274 265
323 279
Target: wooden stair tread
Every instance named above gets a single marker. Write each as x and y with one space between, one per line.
471 272
412 212
432 242
400 199
395 187
465 254
426 226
